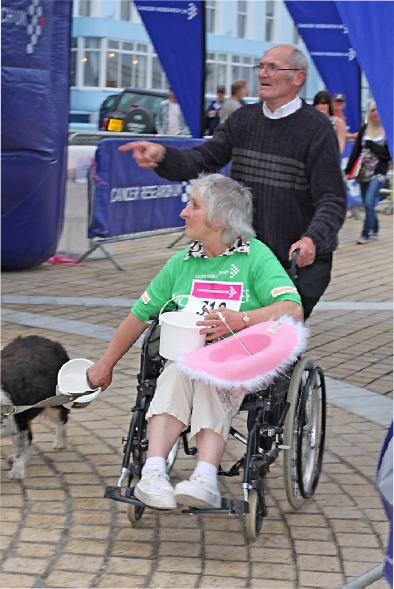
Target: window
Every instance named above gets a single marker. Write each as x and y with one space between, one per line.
73 62
112 65
241 18
210 13
216 71
254 87
269 20
126 64
91 61
84 8
222 69
157 73
125 9
296 36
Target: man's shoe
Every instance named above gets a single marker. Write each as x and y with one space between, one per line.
198 491
362 240
374 236
155 490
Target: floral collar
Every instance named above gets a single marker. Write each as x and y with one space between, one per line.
196 249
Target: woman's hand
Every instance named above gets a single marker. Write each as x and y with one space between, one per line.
214 327
99 375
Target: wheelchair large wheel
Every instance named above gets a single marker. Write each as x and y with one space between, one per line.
304 432
134 512
254 518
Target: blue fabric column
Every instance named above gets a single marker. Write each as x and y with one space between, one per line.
177 31
371 32
326 38
35 104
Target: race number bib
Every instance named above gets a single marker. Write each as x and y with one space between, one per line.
212 295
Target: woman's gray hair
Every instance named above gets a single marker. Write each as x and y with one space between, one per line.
229 203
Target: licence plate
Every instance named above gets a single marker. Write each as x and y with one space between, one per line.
115 125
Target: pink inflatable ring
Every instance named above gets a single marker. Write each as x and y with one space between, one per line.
271 347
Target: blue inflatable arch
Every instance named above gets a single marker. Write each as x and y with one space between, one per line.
34 119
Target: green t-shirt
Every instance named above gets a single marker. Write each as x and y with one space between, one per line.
240 281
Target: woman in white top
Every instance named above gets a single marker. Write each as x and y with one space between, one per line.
371 146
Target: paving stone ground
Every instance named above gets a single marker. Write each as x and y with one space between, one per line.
57 529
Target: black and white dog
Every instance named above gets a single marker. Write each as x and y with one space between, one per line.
29 368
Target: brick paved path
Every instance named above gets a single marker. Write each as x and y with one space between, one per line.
58 531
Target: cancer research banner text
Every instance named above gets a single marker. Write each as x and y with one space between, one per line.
371 32
131 200
177 31
326 38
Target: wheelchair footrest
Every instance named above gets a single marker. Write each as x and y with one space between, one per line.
228 507
115 493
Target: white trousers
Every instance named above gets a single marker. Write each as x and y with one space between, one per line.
194 402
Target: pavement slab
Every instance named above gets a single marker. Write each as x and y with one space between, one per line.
57 530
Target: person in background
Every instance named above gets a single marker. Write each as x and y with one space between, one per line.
339 103
170 119
322 102
219 220
239 89
371 146
212 114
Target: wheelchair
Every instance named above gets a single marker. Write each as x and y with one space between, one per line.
288 416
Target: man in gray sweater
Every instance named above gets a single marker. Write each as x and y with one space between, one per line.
286 152
239 89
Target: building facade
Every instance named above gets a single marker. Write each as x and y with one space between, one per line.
111 49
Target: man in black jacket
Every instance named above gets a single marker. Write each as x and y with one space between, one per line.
212 114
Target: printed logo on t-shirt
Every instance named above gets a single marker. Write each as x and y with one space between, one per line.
283 290
145 298
233 270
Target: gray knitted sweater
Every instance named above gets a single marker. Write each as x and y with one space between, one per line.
290 164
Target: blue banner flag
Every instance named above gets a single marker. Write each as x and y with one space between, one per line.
326 38
177 31
371 26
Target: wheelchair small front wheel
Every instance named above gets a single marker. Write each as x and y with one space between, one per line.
254 518
134 512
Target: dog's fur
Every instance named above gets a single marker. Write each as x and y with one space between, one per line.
29 368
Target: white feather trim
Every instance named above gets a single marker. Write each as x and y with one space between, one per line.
261 381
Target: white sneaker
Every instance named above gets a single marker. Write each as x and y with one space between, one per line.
155 490
198 491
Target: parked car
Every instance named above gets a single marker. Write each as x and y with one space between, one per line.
106 107
134 111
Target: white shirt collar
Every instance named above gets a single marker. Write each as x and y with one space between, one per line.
283 111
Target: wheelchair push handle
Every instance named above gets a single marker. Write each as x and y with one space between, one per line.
292 271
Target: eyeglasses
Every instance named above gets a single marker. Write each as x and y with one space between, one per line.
271 70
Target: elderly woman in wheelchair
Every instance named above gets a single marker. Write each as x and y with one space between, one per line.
224 255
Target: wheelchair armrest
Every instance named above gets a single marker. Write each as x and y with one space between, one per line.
154 317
